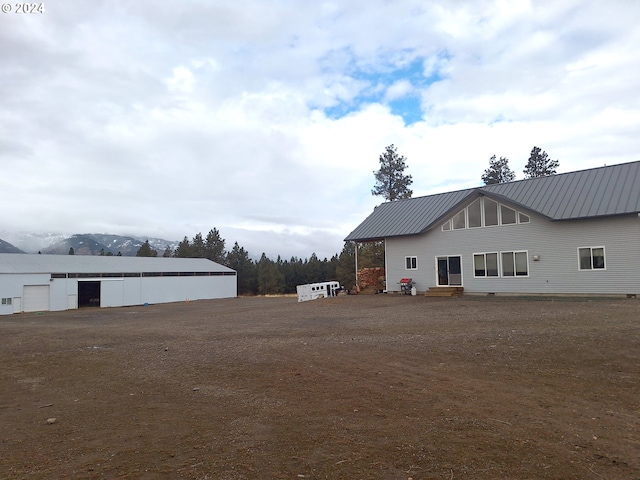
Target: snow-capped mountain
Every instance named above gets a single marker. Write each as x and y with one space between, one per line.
32 242
83 244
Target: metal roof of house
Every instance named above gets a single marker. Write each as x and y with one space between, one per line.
32 263
597 192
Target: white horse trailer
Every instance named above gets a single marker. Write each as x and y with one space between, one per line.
313 291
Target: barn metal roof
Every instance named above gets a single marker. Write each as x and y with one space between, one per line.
33 263
596 192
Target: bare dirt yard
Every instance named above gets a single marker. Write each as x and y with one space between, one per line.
354 387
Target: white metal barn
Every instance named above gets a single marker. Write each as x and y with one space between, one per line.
30 283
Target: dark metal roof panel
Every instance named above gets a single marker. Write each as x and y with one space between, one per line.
603 191
407 217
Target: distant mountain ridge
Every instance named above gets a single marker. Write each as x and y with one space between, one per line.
82 244
6 247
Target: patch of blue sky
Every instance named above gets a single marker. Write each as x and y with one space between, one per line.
408 108
396 85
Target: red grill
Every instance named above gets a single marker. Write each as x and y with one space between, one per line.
406 284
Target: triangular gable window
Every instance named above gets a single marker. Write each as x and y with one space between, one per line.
484 212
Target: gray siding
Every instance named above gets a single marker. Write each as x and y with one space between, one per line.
556 243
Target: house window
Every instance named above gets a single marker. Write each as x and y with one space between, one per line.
411 263
6 301
507 215
485 264
490 212
591 258
475 216
458 221
515 264
484 212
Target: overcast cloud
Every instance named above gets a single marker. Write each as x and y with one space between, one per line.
265 119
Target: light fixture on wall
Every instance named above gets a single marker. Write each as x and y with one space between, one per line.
536 258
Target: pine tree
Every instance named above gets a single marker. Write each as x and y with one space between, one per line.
371 254
197 247
391 182
498 172
539 165
270 278
184 249
238 259
214 246
146 251
346 265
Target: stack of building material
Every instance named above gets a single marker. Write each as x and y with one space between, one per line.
371 278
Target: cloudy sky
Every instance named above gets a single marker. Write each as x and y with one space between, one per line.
266 119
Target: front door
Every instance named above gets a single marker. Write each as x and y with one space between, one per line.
449 271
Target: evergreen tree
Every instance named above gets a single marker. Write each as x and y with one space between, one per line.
71 251
167 252
184 249
346 266
539 165
371 254
270 279
294 274
391 182
238 259
197 247
498 172
146 251
214 246
315 271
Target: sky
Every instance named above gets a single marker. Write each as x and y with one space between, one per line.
266 119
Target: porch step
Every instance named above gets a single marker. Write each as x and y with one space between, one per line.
444 292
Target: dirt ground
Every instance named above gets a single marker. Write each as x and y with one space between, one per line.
355 387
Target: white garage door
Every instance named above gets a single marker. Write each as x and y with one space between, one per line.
36 298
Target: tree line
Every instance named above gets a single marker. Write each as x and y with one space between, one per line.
265 276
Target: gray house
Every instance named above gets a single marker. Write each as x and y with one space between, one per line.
573 233
30 283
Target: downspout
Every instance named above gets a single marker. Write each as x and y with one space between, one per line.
386 269
357 284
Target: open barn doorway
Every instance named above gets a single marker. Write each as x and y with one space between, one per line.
88 294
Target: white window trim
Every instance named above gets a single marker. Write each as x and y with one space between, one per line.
464 214
480 201
500 267
448 225
411 257
604 254
485 265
